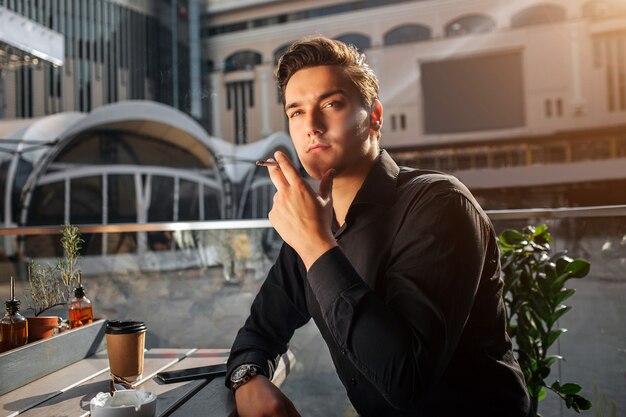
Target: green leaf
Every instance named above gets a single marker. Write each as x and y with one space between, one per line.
564 294
558 313
561 260
569 389
542 394
541 229
551 337
578 268
578 402
543 372
550 359
513 237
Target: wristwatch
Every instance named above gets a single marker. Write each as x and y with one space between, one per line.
243 374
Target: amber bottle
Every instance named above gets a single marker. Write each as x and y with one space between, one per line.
81 309
13 326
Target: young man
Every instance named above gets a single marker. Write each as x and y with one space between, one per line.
398 267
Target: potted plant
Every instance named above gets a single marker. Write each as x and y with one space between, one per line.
534 290
50 287
44 293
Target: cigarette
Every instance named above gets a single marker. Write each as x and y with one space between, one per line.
268 163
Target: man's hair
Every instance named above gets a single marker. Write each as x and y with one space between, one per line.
319 50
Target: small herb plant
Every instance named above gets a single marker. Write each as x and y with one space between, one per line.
50 287
534 290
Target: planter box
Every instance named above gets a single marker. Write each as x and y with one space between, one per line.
34 360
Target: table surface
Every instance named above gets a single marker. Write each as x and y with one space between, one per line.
67 392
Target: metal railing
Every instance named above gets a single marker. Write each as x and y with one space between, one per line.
515 214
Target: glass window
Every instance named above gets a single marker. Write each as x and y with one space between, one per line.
122 203
469 25
538 15
188 204
427 162
161 199
47 205
361 42
243 60
113 147
212 209
86 200
406 34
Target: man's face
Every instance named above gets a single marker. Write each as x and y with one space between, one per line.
328 124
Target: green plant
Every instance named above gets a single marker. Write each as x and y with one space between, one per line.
534 290
44 290
68 266
50 287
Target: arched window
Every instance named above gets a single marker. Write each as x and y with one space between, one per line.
466 25
243 60
603 9
406 34
361 42
540 14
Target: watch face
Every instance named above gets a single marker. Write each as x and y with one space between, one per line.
239 373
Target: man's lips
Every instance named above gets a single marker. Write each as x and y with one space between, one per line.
317 146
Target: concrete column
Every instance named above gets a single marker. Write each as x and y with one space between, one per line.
216 116
578 101
266 79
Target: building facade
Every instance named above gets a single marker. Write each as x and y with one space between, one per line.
115 50
525 101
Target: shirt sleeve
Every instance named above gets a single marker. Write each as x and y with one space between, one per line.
277 311
402 336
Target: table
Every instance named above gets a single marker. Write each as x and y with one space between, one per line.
67 392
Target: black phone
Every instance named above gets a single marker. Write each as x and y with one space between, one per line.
201 372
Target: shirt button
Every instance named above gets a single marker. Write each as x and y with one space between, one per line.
353 381
343 351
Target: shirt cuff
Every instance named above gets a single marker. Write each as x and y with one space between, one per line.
331 275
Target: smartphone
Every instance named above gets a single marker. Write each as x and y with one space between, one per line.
202 372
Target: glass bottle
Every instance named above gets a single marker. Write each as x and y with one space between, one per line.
81 309
13 326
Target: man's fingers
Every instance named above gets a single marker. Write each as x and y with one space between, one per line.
289 171
326 184
277 177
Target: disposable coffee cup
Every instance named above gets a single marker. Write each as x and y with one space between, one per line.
125 345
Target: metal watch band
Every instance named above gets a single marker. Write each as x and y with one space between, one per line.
242 374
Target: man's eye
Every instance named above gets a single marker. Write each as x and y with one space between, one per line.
333 104
295 114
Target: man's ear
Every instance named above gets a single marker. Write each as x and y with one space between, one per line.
376 115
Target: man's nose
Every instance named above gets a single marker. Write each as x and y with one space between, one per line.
315 123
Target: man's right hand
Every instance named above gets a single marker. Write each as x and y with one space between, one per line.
260 398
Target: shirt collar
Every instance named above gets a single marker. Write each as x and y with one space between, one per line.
379 186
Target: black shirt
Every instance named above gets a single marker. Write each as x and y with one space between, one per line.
409 303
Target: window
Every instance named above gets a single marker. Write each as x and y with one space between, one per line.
538 15
604 9
243 60
470 24
361 42
406 34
